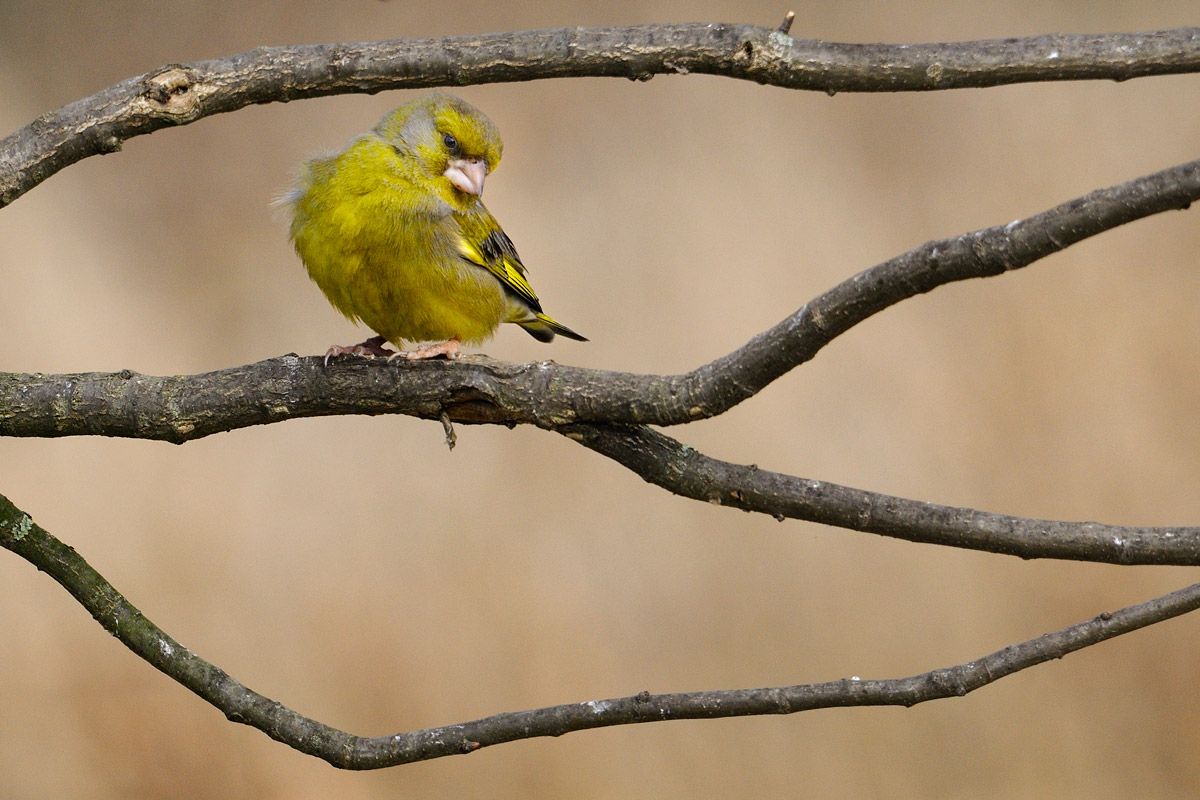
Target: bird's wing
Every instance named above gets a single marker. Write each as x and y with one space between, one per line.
484 244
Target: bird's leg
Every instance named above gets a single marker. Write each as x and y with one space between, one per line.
371 348
448 348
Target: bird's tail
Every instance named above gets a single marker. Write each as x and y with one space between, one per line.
543 329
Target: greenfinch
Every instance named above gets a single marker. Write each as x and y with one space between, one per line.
393 231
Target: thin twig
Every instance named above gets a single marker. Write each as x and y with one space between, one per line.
685 471
27 539
448 427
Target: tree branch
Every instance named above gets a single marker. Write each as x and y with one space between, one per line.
178 94
119 617
477 389
685 471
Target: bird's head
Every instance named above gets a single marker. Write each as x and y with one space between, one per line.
449 142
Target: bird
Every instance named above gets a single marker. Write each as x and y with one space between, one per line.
393 230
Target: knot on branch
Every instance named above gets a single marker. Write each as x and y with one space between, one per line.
765 57
172 93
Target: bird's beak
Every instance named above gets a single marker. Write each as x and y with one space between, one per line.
467 175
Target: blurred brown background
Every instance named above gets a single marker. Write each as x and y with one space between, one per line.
358 572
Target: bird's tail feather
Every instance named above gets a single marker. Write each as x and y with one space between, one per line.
544 328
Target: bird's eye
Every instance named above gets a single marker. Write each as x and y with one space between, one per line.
450 142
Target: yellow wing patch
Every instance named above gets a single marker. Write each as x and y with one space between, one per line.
495 253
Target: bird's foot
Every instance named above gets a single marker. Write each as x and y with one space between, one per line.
371 348
448 348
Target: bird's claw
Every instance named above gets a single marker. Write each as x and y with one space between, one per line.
448 348
371 348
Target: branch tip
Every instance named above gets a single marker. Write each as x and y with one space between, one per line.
786 25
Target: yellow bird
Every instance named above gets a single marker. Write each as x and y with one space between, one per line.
394 232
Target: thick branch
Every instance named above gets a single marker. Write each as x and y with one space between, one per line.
27 539
181 93
481 390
